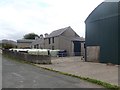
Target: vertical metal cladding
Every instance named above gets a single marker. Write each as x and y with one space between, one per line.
118 32
102 29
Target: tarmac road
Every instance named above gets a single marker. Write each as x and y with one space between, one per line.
20 75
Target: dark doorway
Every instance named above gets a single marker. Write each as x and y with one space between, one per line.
77 48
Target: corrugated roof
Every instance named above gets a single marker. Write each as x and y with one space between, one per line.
103 11
25 40
77 39
111 0
57 32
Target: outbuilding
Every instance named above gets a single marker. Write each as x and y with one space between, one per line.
102 33
24 43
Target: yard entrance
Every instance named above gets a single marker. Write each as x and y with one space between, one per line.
77 48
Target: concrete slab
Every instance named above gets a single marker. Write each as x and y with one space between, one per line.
76 66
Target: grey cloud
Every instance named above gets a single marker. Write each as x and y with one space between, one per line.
11 35
9 32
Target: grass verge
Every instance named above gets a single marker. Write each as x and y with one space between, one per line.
98 82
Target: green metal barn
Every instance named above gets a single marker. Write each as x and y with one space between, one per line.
102 33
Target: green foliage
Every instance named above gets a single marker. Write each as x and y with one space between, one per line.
0 45
8 46
30 36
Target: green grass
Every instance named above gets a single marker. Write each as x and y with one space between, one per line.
98 82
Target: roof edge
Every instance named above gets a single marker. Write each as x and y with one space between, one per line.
93 11
112 1
59 34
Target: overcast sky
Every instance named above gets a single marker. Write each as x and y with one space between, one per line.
18 17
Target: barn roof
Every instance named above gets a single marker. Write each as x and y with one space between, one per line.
78 39
111 0
25 40
58 32
105 10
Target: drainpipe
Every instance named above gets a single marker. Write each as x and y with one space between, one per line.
85 52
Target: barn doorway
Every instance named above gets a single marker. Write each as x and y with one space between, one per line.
77 48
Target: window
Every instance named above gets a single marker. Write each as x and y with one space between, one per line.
53 40
34 46
52 47
37 46
49 40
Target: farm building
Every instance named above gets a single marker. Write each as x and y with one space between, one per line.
38 43
9 43
102 31
24 43
62 39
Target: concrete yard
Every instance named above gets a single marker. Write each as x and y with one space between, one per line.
76 66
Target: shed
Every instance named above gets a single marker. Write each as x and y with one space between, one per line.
24 43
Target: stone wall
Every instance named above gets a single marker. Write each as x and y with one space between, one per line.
39 59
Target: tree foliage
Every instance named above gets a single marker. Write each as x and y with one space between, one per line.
30 36
8 46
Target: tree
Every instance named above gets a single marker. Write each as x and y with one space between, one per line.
30 36
8 46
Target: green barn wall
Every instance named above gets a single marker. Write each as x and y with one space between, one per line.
104 33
